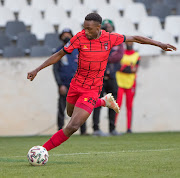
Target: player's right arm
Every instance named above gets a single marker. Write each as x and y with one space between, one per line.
52 60
68 48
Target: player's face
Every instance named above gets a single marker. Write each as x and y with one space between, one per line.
92 29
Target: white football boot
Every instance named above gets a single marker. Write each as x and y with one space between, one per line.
111 102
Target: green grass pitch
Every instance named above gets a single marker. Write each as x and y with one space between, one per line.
130 155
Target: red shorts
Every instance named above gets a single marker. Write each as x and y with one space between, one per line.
82 97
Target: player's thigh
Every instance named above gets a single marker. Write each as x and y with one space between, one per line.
70 108
79 117
71 99
87 100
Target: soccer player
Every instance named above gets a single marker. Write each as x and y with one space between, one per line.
94 46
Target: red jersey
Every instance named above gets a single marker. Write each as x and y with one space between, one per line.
93 57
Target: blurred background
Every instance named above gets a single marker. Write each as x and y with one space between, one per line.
29 33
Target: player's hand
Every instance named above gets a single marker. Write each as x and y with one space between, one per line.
167 47
31 75
63 90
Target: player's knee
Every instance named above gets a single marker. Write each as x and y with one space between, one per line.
72 128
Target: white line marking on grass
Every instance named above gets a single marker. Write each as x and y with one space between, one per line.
110 152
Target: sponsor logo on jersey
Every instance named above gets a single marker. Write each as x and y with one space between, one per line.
85 47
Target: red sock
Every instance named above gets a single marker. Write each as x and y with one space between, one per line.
55 140
100 102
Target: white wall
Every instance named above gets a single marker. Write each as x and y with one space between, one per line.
29 108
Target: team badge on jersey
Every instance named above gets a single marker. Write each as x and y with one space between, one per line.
67 44
106 46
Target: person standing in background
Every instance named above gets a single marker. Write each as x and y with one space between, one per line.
126 80
110 84
64 71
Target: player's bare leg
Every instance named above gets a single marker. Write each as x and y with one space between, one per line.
70 108
79 117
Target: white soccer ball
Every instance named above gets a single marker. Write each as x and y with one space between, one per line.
37 156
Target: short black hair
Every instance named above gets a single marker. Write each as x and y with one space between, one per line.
94 16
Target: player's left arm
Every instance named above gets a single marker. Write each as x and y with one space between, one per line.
145 40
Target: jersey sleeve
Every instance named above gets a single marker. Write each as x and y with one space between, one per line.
117 39
72 44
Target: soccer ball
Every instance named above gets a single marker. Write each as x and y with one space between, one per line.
37 156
